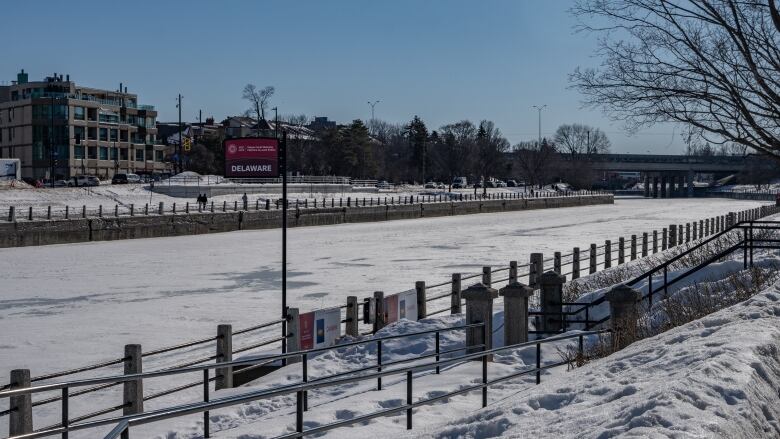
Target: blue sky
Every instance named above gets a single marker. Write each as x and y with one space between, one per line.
444 60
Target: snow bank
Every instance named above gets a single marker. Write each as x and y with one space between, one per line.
715 377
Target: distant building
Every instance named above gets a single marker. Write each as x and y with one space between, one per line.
321 123
57 126
240 126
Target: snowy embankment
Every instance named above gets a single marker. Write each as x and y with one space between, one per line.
715 377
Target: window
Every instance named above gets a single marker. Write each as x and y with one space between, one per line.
92 152
103 153
92 114
92 133
104 134
123 154
139 155
114 135
78 152
158 156
78 134
78 113
150 153
114 153
123 136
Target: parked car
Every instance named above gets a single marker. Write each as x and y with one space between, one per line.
126 179
57 183
511 183
384 185
82 180
490 183
440 185
500 183
430 185
459 183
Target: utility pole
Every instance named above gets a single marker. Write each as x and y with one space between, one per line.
181 139
373 104
51 140
538 108
276 123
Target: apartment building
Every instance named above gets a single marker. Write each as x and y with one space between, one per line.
56 127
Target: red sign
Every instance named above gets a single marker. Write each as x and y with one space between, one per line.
251 157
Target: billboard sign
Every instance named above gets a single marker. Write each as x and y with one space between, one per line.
401 306
319 329
10 169
251 157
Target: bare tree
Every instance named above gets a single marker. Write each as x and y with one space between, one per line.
712 65
534 160
491 146
578 140
259 100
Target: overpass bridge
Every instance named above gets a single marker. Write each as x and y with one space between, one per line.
667 176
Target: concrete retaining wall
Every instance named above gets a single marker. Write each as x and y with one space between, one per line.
29 233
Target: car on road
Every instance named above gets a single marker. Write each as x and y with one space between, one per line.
83 180
126 179
430 185
500 183
511 183
384 185
460 183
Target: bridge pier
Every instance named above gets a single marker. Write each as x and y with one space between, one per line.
663 186
647 185
689 182
655 186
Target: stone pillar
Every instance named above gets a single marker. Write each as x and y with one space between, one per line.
624 312
20 419
479 309
551 298
133 390
422 311
535 269
225 350
379 310
557 262
487 276
352 317
455 295
515 312
512 271
575 263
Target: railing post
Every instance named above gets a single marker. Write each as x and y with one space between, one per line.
515 312
621 250
672 235
535 269
133 390
455 296
557 262
655 241
352 317
422 311
551 299
695 231
592 259
11 214
379 310
575 263
21 417
224 355
67 212
624 311
293 334
479 309
607 253
161 208
633 247
512 271
664 243
486 275
687 232
644 244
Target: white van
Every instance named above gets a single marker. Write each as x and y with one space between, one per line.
460 183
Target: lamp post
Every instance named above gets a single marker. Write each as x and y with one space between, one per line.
178 105
51 140
276 121
373 104
539 109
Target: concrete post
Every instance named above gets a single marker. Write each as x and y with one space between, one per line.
672 235
707 227
422 311
352 317
664 239
379 310
557 262
133 390
695 231
633 247
455 294
161 208
11 214
515 312
67 212
479 309
644 244
655 241
486 276
575 263
593 265
621 250
21 418
225 351
607 253
687 232
535 270
624 312
83 211
551 298
512 271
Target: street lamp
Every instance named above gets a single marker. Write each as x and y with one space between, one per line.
276 122
539 109
373 104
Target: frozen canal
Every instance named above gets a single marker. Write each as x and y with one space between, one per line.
68 305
